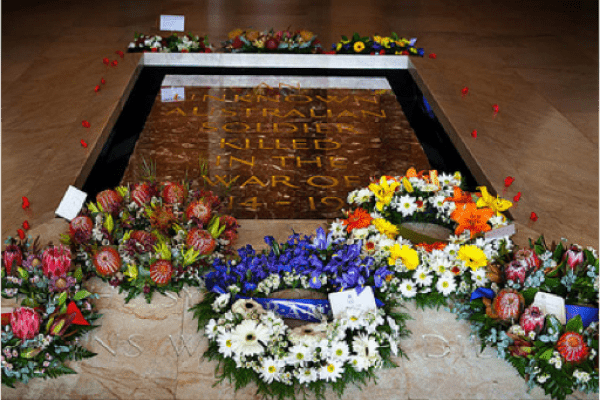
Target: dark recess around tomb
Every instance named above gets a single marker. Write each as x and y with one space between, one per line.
114 157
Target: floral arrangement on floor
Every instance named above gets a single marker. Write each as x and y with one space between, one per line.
253 41
505 314
152 237
251 341
382 45
170 44
426 269
40 335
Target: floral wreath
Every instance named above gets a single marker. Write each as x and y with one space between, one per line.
382 45
40 335
170 44
426 269
153 237
508 314
252 342
253 41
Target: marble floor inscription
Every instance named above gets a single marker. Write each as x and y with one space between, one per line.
277 147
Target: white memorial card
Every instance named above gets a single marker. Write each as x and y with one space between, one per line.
501 232
172 23
348 299
551 304
172 94
71 203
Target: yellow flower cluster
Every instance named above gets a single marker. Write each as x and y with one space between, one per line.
384 192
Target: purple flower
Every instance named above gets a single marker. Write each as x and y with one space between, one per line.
61 284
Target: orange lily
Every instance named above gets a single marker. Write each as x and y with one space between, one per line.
430 247
460 197
360 218
471 218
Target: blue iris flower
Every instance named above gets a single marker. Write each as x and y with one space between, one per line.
315 280
322 241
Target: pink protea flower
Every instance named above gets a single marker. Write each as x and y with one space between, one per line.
528 258
80 229
200 211
110 201
25 323
508 304
574 257
515 271
532 319
201 240
572 347
56 261
12 256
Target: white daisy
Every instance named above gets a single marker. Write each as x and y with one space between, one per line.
270 370
446 284
306 375
331 371
440 265
365 346
364 195
452 250
359 363
438 202
479 276
422 276
406 205
337 228
211 329
225 344
246 338
408 288
221 301
300 355
340 351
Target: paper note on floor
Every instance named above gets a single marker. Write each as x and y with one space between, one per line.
172 23
71 203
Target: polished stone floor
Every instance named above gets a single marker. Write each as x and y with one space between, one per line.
537 60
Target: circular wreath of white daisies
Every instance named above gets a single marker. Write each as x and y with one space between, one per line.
253 344
431 271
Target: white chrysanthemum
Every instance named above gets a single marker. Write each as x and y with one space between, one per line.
225 344
337 228
365 346
479 276
300 355
360 233
221 301
408 288
246 338
385 244
438 202
359 363
270 370
440 265
451 250
212 329
364 195
446 284
406 205
331 371
422 276
306 375
340 351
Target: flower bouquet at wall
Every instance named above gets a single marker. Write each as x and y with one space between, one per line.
540 311
253 41
152 237
170 44
249 303
40 335
428 231
382 45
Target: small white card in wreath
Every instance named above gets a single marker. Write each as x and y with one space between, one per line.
172 23
551 304
350 300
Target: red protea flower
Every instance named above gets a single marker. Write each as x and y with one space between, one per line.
229 222
201 240
56 261
528 258
142 193
162 218
272 44
515 271
107 261
508 304
12 257
574 257
80 229
173 193
110 201
146 240
200 211
572 347
161 272
532 319
210 198
25 323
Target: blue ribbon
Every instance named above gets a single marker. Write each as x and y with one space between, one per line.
482 292
303 309
588 314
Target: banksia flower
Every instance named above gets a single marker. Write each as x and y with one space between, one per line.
110 201
515 271
56 261
200 211
161 272
25 323
173 193
201 241
532 319
528 258
162 218
572 347
508 304
107 261
142 193
12 256
80 229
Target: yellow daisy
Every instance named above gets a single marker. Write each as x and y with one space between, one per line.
359 46
473 257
